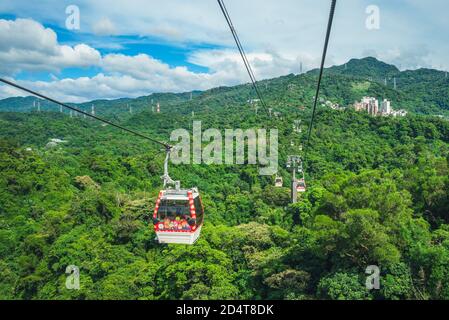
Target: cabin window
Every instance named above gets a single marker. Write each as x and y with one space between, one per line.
174 215
199 211
174 208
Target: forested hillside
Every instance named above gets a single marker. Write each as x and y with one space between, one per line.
422 91
378 194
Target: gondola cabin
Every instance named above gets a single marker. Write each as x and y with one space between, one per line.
301 185
178 216
278 182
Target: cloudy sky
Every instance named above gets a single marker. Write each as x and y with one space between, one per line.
136 47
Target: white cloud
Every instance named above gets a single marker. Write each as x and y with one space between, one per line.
140 66
122 75
405 57
26 45
26 34
133 76
290 27
104 27
266 64
277 35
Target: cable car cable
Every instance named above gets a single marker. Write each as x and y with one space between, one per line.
166 145
237 39
323 59
242 53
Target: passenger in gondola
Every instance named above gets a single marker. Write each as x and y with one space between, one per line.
167 223
185 226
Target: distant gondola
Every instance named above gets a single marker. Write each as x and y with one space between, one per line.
278 182
301 185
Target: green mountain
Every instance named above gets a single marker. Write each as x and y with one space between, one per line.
377 194
367 67
423 91
19 104
110 108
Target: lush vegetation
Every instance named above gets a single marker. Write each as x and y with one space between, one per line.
378 195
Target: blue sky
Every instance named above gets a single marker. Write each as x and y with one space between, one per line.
172 54
133 48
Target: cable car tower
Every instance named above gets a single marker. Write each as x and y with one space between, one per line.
295 163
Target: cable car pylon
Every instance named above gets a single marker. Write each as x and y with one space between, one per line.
294 162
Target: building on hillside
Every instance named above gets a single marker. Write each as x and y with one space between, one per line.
358 106
399 113
333 106
55 140
386 107
368 104
253 101
54 143
278 115
371 106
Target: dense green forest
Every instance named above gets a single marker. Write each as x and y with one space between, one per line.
378 194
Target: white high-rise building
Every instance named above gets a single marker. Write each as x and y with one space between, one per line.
368 104
365 100
371 105
374 107
386 107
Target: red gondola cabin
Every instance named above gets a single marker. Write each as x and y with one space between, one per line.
178 216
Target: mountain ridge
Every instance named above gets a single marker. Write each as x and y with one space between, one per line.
423 90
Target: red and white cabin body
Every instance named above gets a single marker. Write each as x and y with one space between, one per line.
301 185
178 216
